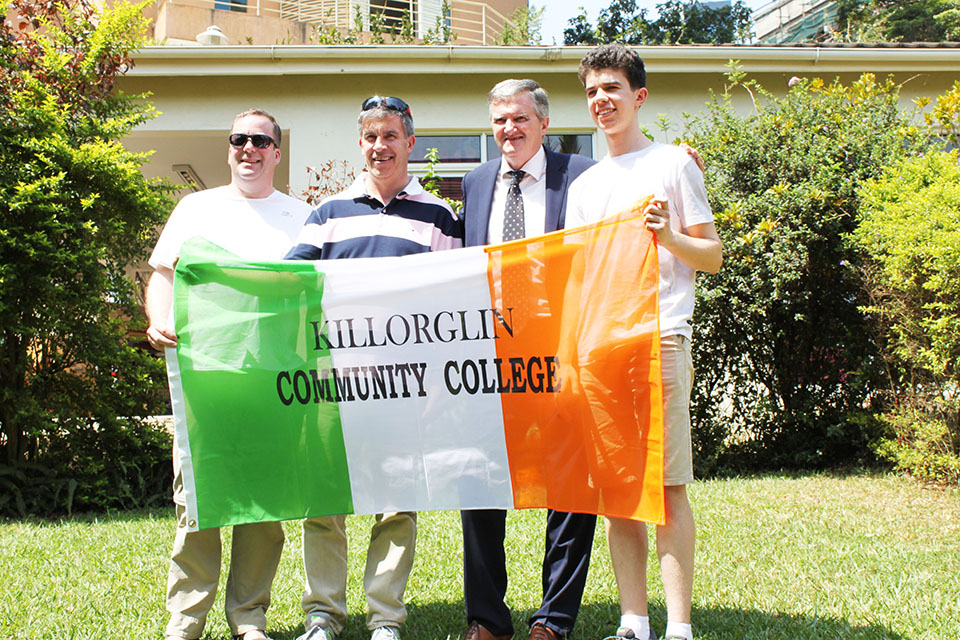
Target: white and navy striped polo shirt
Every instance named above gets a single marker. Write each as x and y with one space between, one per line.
354 224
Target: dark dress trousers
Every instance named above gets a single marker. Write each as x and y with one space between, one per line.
569 536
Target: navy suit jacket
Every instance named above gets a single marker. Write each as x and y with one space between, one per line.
478 186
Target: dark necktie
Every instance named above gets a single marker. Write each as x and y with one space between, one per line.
513 226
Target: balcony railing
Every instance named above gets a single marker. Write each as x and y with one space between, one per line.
466 21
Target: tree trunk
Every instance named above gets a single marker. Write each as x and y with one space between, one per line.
13 377
12 434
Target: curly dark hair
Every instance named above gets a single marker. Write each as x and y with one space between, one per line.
614 56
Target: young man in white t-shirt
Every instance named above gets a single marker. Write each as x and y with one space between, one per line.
680 216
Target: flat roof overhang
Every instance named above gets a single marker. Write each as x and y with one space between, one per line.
160 61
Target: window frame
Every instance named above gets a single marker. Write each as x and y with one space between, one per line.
460 169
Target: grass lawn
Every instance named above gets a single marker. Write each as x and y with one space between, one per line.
778 557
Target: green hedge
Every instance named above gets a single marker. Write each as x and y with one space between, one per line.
787 366
910 233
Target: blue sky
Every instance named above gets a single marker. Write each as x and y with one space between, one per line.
559 11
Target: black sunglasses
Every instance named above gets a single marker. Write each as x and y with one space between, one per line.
259 140
394 104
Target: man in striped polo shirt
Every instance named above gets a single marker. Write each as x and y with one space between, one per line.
385 212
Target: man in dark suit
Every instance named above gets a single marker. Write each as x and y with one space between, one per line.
524 193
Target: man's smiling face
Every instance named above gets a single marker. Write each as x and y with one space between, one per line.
250 165
386 149
517 130
611 101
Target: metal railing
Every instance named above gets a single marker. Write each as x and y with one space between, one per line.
469 22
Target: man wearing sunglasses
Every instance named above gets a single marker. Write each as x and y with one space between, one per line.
384 213
255 221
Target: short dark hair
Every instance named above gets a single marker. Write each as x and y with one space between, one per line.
614 56
277 135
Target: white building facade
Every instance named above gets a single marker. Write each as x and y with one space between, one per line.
316 92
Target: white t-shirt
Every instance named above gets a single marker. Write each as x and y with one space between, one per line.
251 228
616 183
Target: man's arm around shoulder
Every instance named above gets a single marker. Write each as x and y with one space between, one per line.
579 164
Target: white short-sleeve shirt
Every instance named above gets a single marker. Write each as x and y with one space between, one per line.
251 228
616 183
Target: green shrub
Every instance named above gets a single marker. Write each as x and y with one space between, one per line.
787 370
75 212
910 231
84 466
924 445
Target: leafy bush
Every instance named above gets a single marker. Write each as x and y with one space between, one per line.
944 117
910 230
83 466
787 370
897 21
74 212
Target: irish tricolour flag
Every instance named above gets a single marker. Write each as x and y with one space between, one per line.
520 375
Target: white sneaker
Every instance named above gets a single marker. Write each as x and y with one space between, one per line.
385 633
316 632
627 632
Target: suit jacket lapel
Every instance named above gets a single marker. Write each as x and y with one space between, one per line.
556 190
477 233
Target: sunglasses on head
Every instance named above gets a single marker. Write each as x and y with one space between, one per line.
394 104
259 140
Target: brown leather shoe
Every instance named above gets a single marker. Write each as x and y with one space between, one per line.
479 632
540 631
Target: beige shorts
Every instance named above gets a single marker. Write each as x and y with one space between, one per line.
610 414
676 364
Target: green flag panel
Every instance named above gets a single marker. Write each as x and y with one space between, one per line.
251 324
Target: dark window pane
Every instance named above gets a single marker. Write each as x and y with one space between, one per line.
231 5
492 150
449 148
391 13
450 187
580 143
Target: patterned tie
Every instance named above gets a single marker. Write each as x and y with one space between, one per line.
513 226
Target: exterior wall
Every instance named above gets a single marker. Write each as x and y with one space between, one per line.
316 92
292 22
505 7
178 23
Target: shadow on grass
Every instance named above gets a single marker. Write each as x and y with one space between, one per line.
446 621
598 620
431 621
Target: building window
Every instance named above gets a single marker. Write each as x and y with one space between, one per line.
390 14
579 143
451 187
450 148
457 154
456 148
231 5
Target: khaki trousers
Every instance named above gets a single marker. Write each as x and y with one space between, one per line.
388 565
195 572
